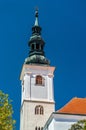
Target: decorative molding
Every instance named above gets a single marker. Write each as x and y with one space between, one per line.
50 75
33 101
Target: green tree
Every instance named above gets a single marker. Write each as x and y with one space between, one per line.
80 125
6 111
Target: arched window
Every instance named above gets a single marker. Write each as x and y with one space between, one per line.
37 46
41 128
39 110
32 46
41 47
38 128
39 80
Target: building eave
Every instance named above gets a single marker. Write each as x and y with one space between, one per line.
69 114
64 117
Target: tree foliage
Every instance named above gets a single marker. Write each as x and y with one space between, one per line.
80 125
6 111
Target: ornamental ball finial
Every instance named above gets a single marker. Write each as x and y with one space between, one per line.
36 12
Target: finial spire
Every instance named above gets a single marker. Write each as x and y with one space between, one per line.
36 43
36 15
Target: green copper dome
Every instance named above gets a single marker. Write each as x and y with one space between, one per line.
36 44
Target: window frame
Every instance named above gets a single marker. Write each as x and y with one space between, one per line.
39 110
40 81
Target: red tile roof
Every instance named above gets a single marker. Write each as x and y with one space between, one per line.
74 106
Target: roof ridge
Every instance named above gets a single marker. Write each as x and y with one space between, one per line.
79 98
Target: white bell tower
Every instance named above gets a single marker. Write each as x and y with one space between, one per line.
37 100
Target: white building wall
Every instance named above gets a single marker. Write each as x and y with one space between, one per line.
26 86
51 126
31 91
22 118
50 88
61 121
30 120
38 91
62 125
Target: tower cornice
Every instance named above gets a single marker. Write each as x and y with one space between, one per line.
30 69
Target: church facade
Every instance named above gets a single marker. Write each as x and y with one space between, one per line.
37 101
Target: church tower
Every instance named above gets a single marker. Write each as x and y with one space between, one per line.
37 98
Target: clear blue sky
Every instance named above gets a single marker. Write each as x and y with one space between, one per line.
63 25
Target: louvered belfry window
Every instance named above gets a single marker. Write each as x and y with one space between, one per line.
39 80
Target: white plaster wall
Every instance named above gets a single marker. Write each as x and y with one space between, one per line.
30 120
31 91
22 118
26 88
59 125
38 91
39 94
62 125
51 126
62 121
50 88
